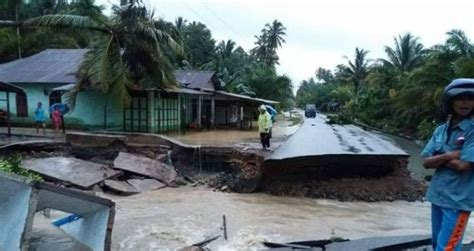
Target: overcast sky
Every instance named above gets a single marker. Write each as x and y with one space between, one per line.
321 33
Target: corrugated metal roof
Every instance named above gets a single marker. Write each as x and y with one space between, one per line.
201 80
185 91
48 66
247 97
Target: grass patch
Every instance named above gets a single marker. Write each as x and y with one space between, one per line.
13 165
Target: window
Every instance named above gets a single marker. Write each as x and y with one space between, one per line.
21 105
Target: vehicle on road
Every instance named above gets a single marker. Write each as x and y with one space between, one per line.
310 111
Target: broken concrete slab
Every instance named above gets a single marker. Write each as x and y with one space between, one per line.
94 140
146 184
133 186
145 166
81 173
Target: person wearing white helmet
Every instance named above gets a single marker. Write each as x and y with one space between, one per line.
450 152
264 126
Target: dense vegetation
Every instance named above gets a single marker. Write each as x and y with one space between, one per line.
400 93
133 47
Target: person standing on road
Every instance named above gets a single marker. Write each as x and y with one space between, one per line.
264 125
40 119
450 152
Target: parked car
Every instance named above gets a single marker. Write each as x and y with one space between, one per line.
310 111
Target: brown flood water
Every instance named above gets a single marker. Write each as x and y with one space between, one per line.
281 129
170 219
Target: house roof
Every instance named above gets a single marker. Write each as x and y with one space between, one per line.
185 91
202 80
5 87
258 100
48 66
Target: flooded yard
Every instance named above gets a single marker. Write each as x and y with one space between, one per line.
282 129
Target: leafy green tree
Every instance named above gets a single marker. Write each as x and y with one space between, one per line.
199 44
268 85
324 75
128 50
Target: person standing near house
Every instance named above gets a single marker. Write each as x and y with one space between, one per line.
40 119
57 119
450 152
264 125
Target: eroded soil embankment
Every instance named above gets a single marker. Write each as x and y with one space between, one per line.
345 178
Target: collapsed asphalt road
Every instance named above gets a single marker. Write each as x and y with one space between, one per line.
341 162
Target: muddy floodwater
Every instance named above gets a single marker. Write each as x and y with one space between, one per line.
173 218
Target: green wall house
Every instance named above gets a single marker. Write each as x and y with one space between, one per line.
198 102
45 77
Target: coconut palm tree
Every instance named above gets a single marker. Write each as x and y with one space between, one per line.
268 42
406 55
460 43
357 70
274 33
225 49
180 22
127 52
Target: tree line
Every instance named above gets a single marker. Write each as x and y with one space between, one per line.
134 48
400 93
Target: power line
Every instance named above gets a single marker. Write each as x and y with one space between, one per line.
207 23
227 25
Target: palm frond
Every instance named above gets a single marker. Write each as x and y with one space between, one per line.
65 21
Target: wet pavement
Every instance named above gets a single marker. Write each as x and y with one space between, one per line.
20 134
317 138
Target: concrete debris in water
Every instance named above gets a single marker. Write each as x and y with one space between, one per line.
145 166
81 173
133 186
